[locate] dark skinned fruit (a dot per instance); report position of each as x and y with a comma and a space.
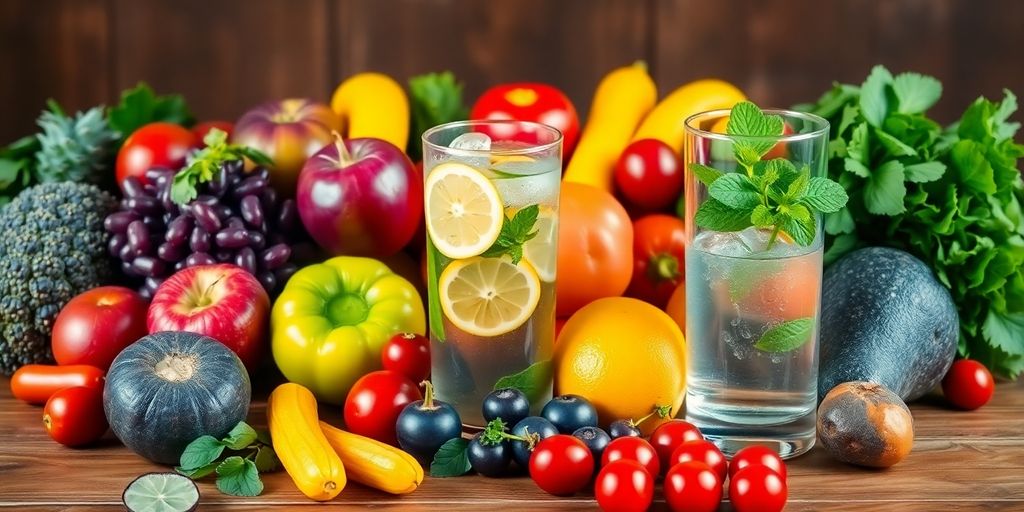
866, 424
424, 425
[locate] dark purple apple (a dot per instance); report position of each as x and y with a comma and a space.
360, 197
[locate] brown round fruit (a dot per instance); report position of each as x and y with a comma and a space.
864, 423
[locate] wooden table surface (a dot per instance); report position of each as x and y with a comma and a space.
961, 461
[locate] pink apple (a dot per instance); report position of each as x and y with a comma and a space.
222, 301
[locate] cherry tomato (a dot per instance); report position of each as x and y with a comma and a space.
632, 448
624, 486
649, 174
409, 354
702, 451
757, 455
968, 384
658, 255
757, 489
201, 129
540, 103
669, 435
692, 487
561, 465
374, 403
36, 383
95, 326
74, 416
154, 145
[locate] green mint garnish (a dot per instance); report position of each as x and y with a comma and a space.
534, 381
206, 162
786, 336
515, 232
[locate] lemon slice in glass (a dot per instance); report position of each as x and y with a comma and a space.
488, 296
464, 210
542, 250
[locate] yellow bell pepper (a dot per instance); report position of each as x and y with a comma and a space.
332, 319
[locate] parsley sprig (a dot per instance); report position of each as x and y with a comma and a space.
250, 453
205, 163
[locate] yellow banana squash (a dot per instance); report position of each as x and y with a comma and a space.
300, 444
373, 105
621, 101
667, 122
373, 463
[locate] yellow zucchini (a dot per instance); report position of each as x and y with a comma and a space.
373, 463
373, 105
667, 122
300, 444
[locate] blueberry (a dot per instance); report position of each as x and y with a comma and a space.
424, 425
509, 404
489, 459
530, 426
596, 440
623, 428
569, 413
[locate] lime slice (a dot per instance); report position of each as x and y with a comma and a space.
488, 296
464, 212
161, 492
542, 250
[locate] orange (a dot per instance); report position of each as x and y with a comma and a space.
625, 356
676, 307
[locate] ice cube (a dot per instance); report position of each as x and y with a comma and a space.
472, 141
528, 190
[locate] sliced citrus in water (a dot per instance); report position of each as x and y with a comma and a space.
464, 210
542, 250
488, 296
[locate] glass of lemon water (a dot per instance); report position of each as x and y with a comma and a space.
491, 208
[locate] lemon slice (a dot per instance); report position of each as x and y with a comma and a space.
488, 296
464, 210
542, 250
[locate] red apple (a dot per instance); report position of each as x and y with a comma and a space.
360, 197
221, 301
95, 326
288, 131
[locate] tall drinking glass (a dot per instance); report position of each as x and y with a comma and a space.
753, 300
491, 203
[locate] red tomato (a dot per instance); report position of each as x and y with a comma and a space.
757, 489
201, 129
669, 435
968, 384
658, 256
649, 174
74, 416
374, 403
702, 451
757, 455
692, 487
624, 486
154, 145
36, 383
95, 326
632, 448
409, 354
540, 103
561, 465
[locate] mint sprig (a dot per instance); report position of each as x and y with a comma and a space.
451, 459
534, 381
768, 194
205, 163
238, 472
515, 232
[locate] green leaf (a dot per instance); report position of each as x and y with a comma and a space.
716, 216
451, 459
747, 120
874, 96
435, 263
973, 169
859, 147
514, 233
200, 452
850, 115
534, 381
1005, 331
241, 436
798, 187
706, 175
839, 222
762, 216
885, 190
915, 92
204, 164
924, 172
895, 146
786, 336
200, 472
736, 191
434, 99
239, 477
824, 195
266, 459
141, 105
799, 225
842, 245
855, 167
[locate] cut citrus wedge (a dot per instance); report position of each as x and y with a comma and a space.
488, 296
464, 210
542, 250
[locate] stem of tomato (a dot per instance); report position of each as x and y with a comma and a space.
428, 395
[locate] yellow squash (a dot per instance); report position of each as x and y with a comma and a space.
373, 105
373, 463
300, 444
667, 122
621, 101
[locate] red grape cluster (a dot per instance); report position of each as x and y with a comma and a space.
236, 218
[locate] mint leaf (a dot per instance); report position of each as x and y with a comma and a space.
798, 187
199, 472
799, 225
824, 195
885, 190
266, 460
973, 169
200, 452
241, 436
706, 175
747, 120
239, 477
716, 216
895, 146
916, 93
786, 336
874, 96
762, 216
206, 162
434, 99
735, 190
858, 147
534, 381
514, 233
924, 172
839, 222
451, 459
855, 167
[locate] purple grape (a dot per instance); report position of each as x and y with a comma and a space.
277, 238
179, 266
199, 241
251, 210
223, 211
235, 223
144, 205
150, 190
205, 199
275, 256
232, 238
178, 230
148, 266
234, 167
286, 216
138, 238
257, 240
268, 280
250, 185
246, 259
219, 183
205, 217
199, 258
164, 195
116, 243
155, 173
263, 173
126, 253
284, 273
153, 223
224, 256
131, 186
118, 222
268, 199
153, 283
170, 252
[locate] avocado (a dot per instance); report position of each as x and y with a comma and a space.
885, 319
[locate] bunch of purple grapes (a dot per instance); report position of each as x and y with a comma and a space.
236, 218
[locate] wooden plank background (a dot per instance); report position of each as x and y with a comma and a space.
227, 55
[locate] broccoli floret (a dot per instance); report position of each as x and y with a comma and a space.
52, 247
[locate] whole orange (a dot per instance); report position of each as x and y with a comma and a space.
676, 307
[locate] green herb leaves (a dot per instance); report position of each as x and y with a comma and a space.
435, 98
141, 106
451, 459
746, 120
534, 381
237, 474
204, 164
786, 336
514, 233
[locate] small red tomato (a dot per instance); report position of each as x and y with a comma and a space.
154, 145
692, 487
968, 384
561, 465
204, 128
669, 435
374, 403
658, 255
757, 455
757, 489
36, 383
702, 451
632, 448
409, 354
95, 326
649, 174
74, 416
624, 486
